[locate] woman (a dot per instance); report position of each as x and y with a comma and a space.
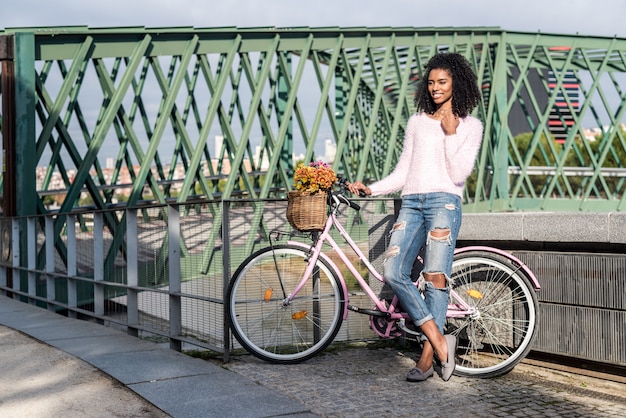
439, 152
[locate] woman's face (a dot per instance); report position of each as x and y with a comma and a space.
440, 86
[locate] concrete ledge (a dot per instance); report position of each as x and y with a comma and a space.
605, 228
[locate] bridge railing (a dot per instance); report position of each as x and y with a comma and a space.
167, 278
162, 275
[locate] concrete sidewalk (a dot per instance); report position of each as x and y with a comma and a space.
53, 366
44, 375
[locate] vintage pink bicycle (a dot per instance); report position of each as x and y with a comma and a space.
287, 302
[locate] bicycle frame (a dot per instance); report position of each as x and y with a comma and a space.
458, 309
492, 311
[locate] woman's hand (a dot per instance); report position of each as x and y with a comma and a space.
357, 188
449, 123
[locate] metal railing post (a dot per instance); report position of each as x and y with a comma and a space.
15, 251
72, 291
226, 273
98, 263
50, 280
132, 273
173, 229
31, 262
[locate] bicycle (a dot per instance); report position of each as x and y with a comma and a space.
286, 302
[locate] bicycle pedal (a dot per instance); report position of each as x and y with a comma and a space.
404, 327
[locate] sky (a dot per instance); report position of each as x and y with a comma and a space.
585, 17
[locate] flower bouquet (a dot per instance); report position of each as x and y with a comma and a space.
306, 208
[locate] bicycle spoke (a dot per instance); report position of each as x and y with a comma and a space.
498, 331
284, 334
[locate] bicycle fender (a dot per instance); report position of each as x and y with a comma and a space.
342, 282
505, 254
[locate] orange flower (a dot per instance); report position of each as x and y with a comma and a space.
314, 177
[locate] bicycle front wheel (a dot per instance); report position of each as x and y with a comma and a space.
276, 331
498, 333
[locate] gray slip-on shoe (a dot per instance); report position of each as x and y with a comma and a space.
417, 375
447, 367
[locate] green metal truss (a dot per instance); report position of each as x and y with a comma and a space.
142, 101
150, 99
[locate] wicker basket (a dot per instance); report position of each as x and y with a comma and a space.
307, 212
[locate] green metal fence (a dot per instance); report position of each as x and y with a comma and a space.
98, 116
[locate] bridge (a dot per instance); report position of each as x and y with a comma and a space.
126, 151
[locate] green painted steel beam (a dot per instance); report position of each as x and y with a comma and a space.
133, 91
135, 113
25, 102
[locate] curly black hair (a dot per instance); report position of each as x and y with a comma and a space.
465, 92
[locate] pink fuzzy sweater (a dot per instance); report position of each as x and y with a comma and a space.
430, 160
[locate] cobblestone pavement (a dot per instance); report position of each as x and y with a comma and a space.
370, 382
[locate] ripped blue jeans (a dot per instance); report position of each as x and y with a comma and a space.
419, 215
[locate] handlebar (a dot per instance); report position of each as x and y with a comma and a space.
341, 195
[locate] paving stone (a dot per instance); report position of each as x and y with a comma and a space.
363, 382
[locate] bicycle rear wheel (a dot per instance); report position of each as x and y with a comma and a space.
271, 330
499, 334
